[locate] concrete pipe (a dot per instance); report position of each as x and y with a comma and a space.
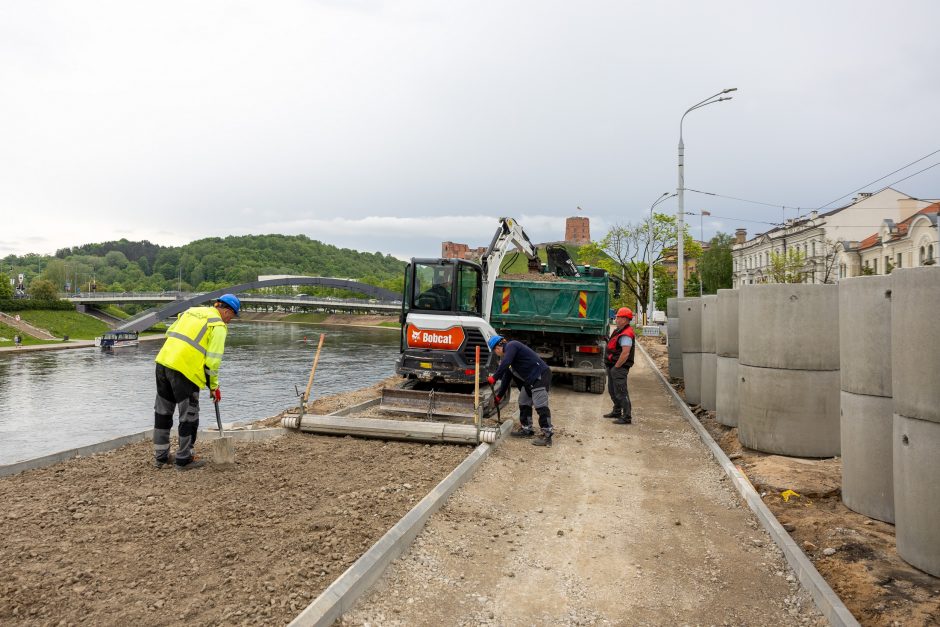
674, 348
867, 470
726, 391
915, 342
709, 322
726, 338
690, 325
709, 380
917, 492
789, 412
692, 369
792, 326
865, 334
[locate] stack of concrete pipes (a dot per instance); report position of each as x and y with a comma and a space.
789, 369
673, 336
866, 404
690, 332
915, 373
726, 345
709, 356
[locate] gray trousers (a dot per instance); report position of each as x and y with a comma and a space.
175, 392
537, 396
617, 388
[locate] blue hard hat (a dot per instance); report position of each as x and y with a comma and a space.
493, 341
231, 301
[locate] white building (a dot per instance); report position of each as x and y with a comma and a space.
826, 240
909, 243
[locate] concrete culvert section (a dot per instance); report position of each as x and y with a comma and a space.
726, 347
674, 335
789, 369
867, 410
915, 371
709, 356
690, 332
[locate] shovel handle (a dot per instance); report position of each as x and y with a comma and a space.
218, 418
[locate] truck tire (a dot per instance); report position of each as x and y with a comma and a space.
596, 385
579, 383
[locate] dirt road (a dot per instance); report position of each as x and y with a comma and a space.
621, 525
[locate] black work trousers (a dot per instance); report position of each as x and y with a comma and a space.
175, 391
617, 388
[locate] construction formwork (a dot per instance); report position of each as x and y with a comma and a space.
673, 337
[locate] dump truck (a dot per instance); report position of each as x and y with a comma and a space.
562, 318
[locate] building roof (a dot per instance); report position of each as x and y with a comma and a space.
901, 228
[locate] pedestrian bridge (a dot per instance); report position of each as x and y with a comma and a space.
380, 299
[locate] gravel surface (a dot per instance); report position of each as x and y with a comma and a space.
619, 525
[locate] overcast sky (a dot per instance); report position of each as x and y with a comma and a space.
391, 126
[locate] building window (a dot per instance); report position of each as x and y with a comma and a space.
814, 248
887, 263
922, 255
874, 266
930, 258
897, 260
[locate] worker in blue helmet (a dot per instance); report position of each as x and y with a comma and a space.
188, 362
521, 365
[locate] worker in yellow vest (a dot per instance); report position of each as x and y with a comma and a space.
188, 362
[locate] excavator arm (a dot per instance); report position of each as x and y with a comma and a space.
509, 235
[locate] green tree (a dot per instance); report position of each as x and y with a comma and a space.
6, 288
627, 250
715, 265
788, 267
116, 259
43, 289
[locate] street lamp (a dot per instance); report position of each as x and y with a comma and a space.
680, 252
649, 304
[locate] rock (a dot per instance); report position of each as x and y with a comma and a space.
829, 551
789, 527
809, 546
561, 532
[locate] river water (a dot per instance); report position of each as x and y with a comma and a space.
57, 400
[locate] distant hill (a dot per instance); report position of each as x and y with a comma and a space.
124, 265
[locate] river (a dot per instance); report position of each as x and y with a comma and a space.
57, 400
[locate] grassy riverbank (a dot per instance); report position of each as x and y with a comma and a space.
77, 326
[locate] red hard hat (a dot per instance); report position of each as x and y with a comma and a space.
624, 312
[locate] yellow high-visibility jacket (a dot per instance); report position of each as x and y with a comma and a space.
194, 344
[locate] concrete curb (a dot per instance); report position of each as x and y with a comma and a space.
358, 578
827, 601
250, 435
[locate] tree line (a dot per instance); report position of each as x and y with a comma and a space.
202, 265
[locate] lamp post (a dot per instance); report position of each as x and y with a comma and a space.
649, 304
680, 252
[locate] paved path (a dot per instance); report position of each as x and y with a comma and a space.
25, 327
620, 525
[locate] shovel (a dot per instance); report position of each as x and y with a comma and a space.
223, 448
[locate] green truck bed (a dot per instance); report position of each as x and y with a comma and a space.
565, 305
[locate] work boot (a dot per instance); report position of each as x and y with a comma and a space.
191, 465
545, 440
522, 432
627, 420
160, 462
613, 413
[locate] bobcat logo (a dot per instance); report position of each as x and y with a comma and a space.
415, 335
448, 339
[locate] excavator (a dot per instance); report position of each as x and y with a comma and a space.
445, 319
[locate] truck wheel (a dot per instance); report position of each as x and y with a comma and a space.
579, 383
596, 385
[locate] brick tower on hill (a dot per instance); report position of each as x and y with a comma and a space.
578, 230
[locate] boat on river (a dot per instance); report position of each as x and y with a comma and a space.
116, 339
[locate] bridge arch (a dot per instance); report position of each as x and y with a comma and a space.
150, 318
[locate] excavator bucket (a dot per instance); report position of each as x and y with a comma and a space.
432, 403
